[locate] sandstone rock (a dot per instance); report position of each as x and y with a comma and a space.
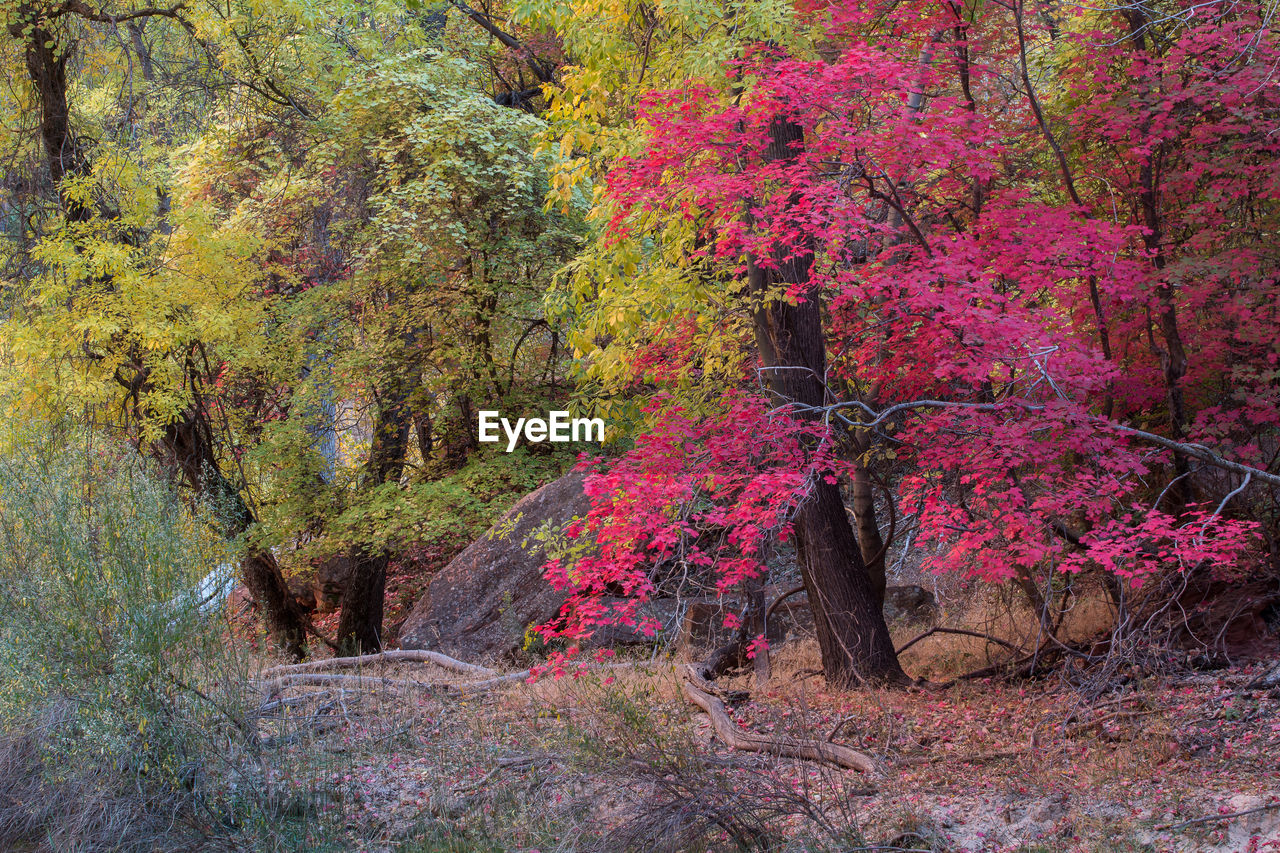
479, 605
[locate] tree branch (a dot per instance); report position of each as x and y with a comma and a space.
544, 72
1196, 451
84, 10
962, 632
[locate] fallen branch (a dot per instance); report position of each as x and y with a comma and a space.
274, 686
497, 681
826, 753
1216, 817
393, 656
517, 762
1266, 681
282, 677
963, 632
279, 704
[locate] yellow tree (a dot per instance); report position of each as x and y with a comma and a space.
124, 301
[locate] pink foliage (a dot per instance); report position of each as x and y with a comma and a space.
963, 260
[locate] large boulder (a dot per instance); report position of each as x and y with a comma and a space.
479, 605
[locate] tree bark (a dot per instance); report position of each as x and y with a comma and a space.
46, 62
852, 634
870, 543
186, 446
360, 625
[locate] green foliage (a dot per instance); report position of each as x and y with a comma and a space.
101, 627
453, 508
98, 566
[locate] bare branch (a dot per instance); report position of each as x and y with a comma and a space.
84, 10
1196, 451
962, 632
545, 72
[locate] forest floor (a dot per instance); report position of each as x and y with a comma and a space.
1156, 763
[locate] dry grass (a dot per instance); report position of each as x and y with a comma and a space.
578, 765
86, 806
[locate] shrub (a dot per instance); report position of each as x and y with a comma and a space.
112, 680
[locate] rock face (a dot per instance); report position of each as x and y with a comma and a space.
479, 605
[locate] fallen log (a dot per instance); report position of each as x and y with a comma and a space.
826, 753
273, 687
393, 656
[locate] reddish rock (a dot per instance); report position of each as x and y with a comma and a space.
479, 606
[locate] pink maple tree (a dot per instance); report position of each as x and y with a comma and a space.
1023, 294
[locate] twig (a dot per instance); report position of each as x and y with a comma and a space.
1211, 818
963, 632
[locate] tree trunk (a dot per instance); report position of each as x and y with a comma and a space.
852, 634
870, 543
360, 625
46, 62
186, 446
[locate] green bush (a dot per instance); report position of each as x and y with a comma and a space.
112, 681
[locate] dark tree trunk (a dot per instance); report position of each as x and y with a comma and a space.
852, 634
187, 446
141, 48
360, 625
46, 62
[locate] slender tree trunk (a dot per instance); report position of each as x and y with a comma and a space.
186, 446
1173, 355
360, 625
870, 543
141, 48
852, 634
